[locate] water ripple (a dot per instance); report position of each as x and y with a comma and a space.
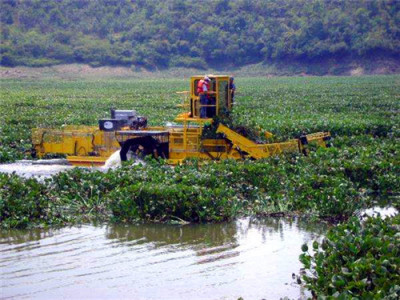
154, 262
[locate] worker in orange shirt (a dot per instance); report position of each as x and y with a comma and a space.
203, 88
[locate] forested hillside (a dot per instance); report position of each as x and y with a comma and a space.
200, 34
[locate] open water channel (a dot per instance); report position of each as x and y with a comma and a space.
249, 258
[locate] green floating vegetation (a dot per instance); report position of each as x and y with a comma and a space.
359, 260
346, 106
360, 112
356, 260
329, 184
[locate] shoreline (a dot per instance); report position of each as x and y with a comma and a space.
351, 68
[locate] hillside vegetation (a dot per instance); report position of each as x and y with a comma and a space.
196, 34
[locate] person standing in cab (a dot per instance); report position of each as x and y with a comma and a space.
203, 87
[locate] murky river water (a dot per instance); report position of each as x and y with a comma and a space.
249, 258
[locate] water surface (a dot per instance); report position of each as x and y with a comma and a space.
249, 258
44, 168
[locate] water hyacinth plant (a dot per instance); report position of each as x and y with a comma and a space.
318, 185
362, 167
356, 260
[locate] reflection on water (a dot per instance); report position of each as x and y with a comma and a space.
250, 258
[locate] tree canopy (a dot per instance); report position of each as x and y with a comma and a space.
200, 34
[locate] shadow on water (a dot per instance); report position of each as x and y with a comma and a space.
250, 258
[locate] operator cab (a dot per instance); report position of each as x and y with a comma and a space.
218, 99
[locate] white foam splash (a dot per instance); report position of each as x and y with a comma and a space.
38, 169
114, 161
383, 212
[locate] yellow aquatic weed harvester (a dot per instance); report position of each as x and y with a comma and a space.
129, 133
